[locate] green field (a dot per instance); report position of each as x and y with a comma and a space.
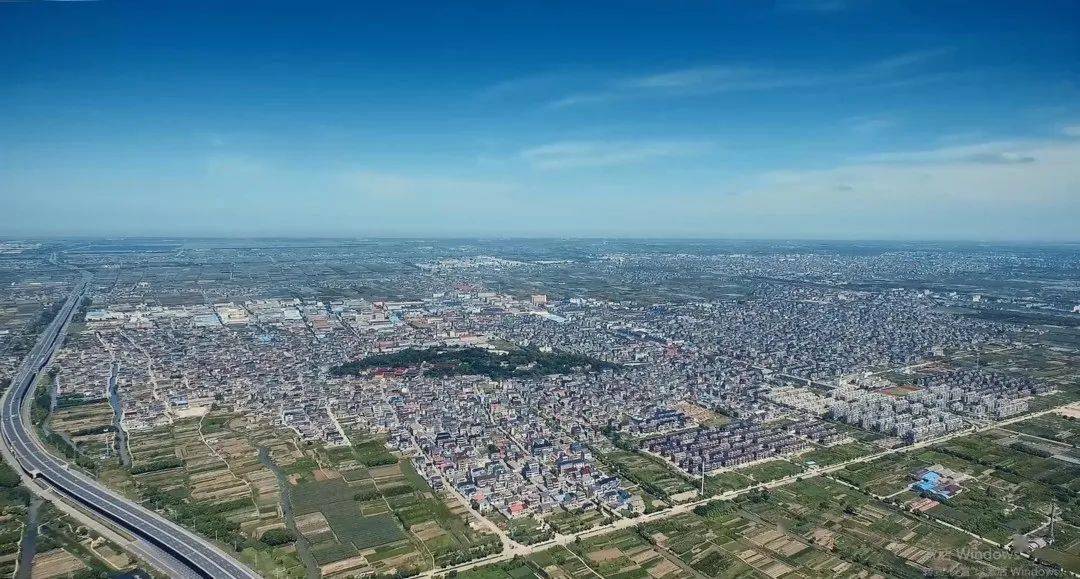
771, 470
1052, 427
363, 532
315, 496
650, 474
830, 455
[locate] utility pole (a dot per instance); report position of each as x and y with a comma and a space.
1053, 508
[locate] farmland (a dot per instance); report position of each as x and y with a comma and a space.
771, 470
205, 473
359, 512
829, 455
1006, 492
61, 546
1053, 426
649, 474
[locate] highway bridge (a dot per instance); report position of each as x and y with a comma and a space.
197, 555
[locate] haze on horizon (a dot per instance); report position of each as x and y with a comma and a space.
821, 119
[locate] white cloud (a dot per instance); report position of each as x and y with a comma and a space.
939, 178
870, 125
545, 85
987, 153
717, 79
576, 154
929, 198
721, 79
404, 187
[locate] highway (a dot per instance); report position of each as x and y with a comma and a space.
197, 554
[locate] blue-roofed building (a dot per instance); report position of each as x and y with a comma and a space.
934, 483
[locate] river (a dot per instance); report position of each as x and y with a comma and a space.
28, 544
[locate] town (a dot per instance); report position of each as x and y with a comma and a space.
541, 413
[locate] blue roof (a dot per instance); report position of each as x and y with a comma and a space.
929, 483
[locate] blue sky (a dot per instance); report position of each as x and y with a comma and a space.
826, 119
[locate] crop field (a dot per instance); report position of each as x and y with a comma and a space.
371, 451
64, 549
212, 480
830, 528
1052, 427
1055, 366
88, 426
14, 500
576, 521
984, 452
771, 470
236, 444
1066, 548
1015, 492
514, 569
383, 518
1006, 492
697, 544
441, 523
649, 474
272, 562
309, 497
330, 551
829, 455
346, 518
335, 523
561, 562
152, 445
627, 554
529, 530
989, 508
892, 474
726, 481
363, 532
359, 505
1067, 392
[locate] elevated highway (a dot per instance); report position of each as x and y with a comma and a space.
184, 548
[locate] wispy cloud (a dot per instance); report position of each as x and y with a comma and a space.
987, 153
951, 192
539, 85
383, 185
717, 79
576, 154
870, 125
1071, 131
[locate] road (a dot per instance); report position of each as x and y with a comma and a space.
197, 554
682, 508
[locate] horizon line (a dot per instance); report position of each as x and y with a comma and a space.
526, 237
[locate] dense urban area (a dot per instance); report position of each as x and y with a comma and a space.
498, 409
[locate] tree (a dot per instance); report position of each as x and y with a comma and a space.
275, 537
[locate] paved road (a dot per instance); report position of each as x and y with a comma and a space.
199, 555
525, 550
